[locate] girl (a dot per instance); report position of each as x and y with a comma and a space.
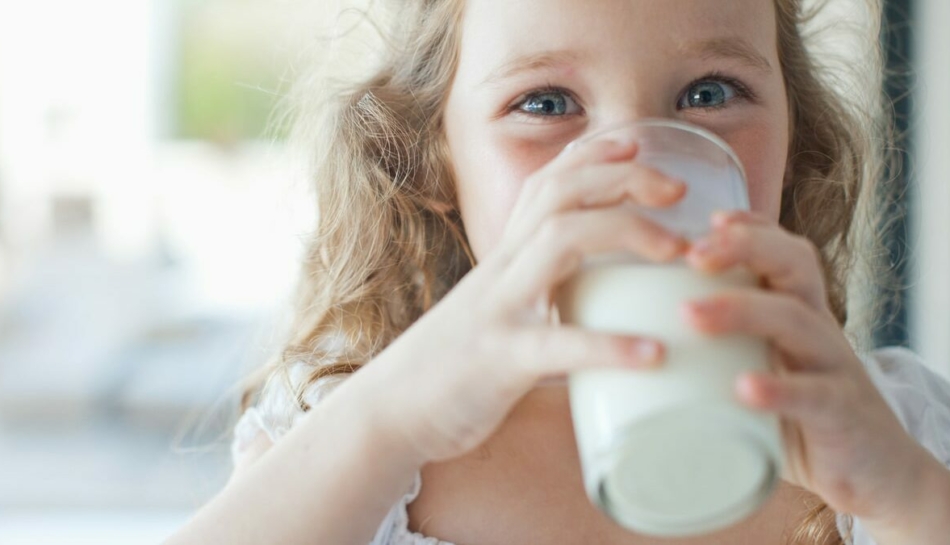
448, 214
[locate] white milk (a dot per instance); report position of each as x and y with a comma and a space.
668, 451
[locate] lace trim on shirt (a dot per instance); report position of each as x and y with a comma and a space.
395, 529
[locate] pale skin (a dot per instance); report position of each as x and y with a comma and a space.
497, 452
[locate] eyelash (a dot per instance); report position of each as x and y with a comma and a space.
742, 90
515, 108
742, 93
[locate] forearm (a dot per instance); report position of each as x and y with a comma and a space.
925, 521
331, 479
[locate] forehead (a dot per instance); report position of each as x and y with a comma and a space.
501, 30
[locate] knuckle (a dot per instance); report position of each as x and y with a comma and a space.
630, 229
529, 350
555, 229
631, 222
795, 396
734, 310
646, 237
842, 489
570, 258
563, 232
822, 398
490, 345
799, 314
525, 341
846, 394
565, 237
739, 236
508, 361
558, 189
807, 250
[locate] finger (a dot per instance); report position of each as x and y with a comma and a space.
597, 151
813, 398
544, 351
604, 184
721, 218
557, 249
600, 149
588, 153
795, 328
786, 263
597, 185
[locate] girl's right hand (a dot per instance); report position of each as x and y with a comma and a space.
443, 386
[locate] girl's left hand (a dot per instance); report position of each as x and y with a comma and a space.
842, 440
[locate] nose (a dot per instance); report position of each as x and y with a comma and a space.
629, 105
615, 124
624, 105
634, 109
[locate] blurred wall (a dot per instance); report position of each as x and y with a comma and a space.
930, 314
149, 235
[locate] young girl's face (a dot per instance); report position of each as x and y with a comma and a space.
534, 75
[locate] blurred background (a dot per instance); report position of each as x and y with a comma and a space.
150, 228
149, 234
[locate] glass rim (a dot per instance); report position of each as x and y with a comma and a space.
671, 124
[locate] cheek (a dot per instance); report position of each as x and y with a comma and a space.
490, 170
763, 153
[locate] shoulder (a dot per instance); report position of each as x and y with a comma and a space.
918, 396
394, 529
283, 401
894, 366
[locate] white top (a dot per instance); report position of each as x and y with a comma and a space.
919, 398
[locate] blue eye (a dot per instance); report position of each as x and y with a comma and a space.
710, 94
550, 103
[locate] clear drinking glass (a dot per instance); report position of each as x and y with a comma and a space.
670, 451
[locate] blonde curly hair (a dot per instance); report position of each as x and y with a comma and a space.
389, 242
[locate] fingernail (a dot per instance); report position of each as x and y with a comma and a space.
624, 140
700, 307
675, 187
673, 246
647, 352
702, 248
721, 218
745, 388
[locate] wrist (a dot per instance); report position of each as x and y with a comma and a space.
379, 426
924, 517
390, 441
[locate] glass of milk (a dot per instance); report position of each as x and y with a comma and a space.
670, 451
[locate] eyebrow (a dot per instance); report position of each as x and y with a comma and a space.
715, 48
728, 48
532, 62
